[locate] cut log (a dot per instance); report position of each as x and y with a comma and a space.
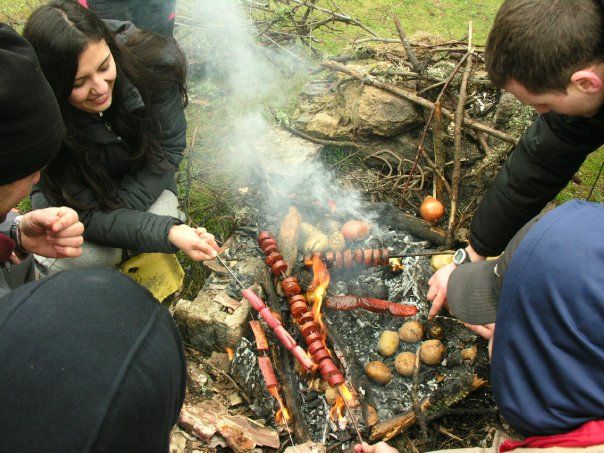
392, 216
288, 237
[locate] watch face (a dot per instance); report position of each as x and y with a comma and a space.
460, 257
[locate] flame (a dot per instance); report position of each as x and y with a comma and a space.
282, 416
317, 289
396, 264
230, 353
343, 400
336, 413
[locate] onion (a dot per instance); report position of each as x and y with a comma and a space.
354, 230
431, 209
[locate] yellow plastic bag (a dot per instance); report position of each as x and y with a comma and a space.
160, 273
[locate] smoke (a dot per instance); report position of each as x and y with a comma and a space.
252, 77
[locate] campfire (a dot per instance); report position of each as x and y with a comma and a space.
334, 346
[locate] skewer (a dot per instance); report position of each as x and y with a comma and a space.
352, 418
406, 255
291, 439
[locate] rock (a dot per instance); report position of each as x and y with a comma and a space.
327, 125
206, 325
384, 114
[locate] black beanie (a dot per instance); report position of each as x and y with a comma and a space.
31, 129
89, 362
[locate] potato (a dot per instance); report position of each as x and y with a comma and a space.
307, 229
411, 332
316, 242
469, 354
439, 261
372, 416
330, 395
435, 330
388, 343
378, 372
405, 363
354, 230
336, 241
432, 352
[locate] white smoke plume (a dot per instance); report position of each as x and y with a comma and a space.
253, 76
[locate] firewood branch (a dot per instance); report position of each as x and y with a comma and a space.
467, 121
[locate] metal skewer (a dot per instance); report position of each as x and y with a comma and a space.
406, 255
352, 418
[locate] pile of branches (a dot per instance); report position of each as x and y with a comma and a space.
442, 99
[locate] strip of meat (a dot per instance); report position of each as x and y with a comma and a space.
259, 336
268, 373
345, 303
402, 309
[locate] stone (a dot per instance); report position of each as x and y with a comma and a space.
327, 125
207, 326
384, 114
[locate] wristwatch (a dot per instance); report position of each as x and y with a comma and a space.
15, 235
461, 257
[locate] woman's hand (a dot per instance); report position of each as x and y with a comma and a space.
195, 242
380, 447
52, 232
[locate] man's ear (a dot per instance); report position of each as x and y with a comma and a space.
587, 81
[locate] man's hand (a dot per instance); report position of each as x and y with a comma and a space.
380, 447
195, 242
486, 331
52, 232
437, 293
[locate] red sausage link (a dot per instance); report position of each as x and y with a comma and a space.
268, 373
272, 258
259, 336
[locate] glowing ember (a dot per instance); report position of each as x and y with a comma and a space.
396, 264
282, 416
317, 288
230, 353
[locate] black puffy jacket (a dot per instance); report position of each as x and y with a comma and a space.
129, 227
548, 154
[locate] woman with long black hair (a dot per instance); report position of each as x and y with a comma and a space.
121, 92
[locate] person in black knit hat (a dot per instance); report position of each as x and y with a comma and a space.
30, 135
90, 362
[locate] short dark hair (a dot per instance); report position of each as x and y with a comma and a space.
541, 43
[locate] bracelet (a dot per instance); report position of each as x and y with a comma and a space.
15, 235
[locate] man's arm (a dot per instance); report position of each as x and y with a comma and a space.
546, 157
